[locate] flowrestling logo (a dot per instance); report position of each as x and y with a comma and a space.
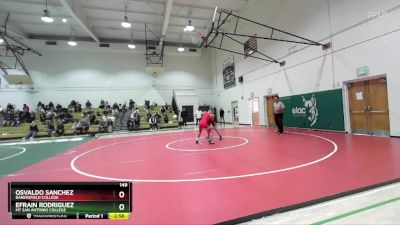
309, 110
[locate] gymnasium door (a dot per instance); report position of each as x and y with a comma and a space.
235, 112
269, 109
189, 111
255, 115
369, 110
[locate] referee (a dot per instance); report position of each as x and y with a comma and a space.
279, 108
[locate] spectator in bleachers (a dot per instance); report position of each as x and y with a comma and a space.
137, 121
73, 104
51, 105
85, 116
50, 115
32, 117
33, 130
148, 115
162, 110
102, 105
76, 126
78, 107
50, 128
158, 122
8, 119
39, 106
166, 120
90, 109
153, 105
60, 128
42, 115
25, 110
85, 121
131, 121
110, 119
146, 104
61, 115
1, 110
153, 122
131, 104
124, 109
10, 107
18, 118
115, 106
71, 108
103, 123
130, 124
157, 115
93, 119
88, 104
115, 113
58, 108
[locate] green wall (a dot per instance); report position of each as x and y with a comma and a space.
317, 110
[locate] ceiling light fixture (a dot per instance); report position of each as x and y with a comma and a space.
131, 44
71, 42
1, 41
46, 17
181, 49
189, 27
126, 23
64, 20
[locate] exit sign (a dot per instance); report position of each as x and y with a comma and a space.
362, 71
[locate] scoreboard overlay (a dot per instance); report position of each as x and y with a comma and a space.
70, 200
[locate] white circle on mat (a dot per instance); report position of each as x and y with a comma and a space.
18, 153
73, 166
168, 146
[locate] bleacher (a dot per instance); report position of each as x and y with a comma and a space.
120, 124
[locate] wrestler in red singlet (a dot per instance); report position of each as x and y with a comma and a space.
205, 123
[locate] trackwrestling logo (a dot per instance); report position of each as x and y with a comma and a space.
309, 110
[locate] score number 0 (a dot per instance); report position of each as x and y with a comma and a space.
121, 194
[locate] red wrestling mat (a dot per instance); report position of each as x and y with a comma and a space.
251, 170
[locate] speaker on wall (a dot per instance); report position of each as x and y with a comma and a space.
241, 79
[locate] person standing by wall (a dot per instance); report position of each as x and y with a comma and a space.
279, 108
184, 116
221, 115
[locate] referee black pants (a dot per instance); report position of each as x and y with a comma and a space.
279, 121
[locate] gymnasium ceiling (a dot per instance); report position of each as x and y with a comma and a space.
100, 20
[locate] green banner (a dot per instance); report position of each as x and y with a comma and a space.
318, 110
228, 73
